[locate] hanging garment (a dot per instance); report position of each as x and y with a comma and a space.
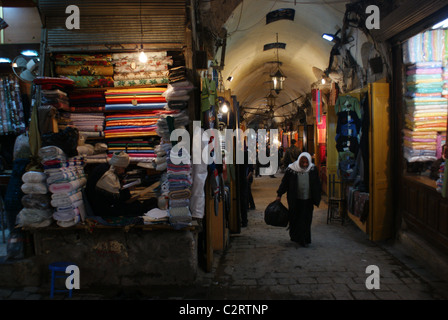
348, 103
349, 124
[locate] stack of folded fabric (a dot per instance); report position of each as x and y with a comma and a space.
139, 150
135, 99
37, 211
445, 82
53, 99
426, 110
161, 152
129, 71
87, 101
88, 124
178, 181
86, 70
65, 180
177, 74
93, 153
156, 216
177, 95
171, 121
179, 185
133, 112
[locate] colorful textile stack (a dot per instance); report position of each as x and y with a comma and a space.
129, 71
139, 150
89, 125
54, 98
37, 211
86, 70
426, 110
84, 101
426, 46
178, 182
133, 112
65, 180
135, 99
179, 187
11, 107
445, 82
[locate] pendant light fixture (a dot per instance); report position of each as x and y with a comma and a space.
142, 57
278, 78
270, 100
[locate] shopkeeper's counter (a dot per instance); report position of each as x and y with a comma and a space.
136, 255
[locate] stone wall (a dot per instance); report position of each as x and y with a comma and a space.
117, 257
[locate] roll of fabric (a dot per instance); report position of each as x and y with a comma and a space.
85, 70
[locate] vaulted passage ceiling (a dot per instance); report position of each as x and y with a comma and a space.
250, 66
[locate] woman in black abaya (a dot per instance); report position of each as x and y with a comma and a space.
302, 185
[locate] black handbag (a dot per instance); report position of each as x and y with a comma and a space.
276, 214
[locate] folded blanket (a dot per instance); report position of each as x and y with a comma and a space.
28, 216
67, 200
34, 187
34, 176
67, 186
51, 152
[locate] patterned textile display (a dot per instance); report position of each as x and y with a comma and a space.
86, 71
129, 71
11, 107
426, 110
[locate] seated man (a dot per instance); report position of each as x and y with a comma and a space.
105, 194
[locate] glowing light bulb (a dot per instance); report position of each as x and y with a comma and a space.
225, 109
142, 57
323, 81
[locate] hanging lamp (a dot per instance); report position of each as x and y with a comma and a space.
142, 56
278, 77
270, 100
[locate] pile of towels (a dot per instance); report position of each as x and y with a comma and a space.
86, 70
65, 181
37, 211
426, 110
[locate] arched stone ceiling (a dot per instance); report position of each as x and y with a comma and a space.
250, 66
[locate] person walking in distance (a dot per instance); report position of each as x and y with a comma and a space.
291, 154
302, 185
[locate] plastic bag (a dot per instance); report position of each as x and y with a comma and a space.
22, 147
15, 247
67, 140
276, 214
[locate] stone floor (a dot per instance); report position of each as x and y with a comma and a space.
261, 263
